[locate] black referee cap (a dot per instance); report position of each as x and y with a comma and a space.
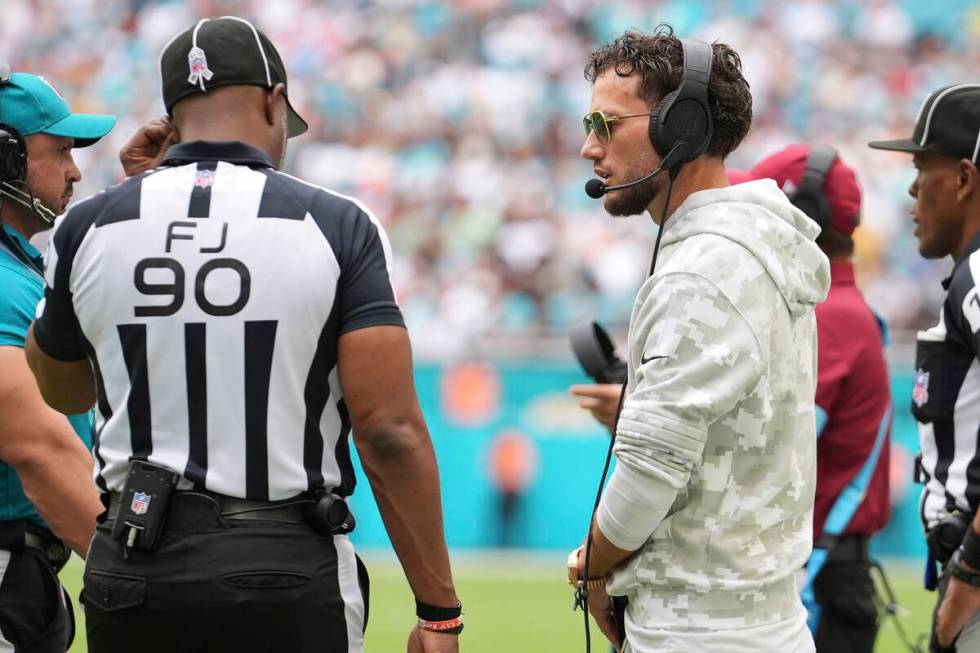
222, 51
948, 123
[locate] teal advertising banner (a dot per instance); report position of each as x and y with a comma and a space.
520, 460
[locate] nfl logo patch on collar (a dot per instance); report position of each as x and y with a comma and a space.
140, 503
204, 179
198, 63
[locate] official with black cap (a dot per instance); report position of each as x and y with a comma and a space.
233, 324
945, 145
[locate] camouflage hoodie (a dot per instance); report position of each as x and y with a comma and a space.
719, 420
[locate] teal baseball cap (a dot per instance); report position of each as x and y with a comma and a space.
32, 105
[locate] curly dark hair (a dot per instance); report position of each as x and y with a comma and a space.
659, 60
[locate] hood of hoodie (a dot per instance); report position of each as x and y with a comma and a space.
758, 216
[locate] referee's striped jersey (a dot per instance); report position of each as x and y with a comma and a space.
209, 295
946, 395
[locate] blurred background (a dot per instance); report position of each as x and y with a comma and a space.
458, 124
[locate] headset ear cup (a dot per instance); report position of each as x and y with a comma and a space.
816, 207
13, 155
657, 116
811, 195
823, 212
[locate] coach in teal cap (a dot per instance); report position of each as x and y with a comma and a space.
32, 105
37, 132
48, 499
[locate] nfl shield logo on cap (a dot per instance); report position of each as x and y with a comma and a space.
140, 504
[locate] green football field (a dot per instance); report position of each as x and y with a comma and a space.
520, 602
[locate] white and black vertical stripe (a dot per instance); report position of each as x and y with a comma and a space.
260, 340
132, 337
195, 342
200, 204
316, 392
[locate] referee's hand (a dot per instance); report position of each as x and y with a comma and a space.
146, 149
426, 641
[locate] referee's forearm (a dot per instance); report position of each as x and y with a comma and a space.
401, 466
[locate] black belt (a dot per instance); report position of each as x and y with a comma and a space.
849, 548
21, 535
289, 511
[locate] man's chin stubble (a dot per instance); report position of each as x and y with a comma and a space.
632, 201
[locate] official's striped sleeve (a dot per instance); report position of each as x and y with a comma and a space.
364, 294
56, 328
963, 303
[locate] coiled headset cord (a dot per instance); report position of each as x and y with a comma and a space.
581, 591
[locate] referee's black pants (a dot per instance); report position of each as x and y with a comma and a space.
845, 592
216, 584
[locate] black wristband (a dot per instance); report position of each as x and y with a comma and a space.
958, 572
970, 548
435, 613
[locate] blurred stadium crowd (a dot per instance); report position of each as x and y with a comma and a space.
459, 124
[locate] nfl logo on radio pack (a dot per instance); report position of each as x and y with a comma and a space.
920, 392
140, 504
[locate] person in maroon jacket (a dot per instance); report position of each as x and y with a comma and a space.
853, 407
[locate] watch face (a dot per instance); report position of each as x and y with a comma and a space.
573, 567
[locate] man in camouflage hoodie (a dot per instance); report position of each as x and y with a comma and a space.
708, 513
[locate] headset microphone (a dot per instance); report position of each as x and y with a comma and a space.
27, 200
595, 189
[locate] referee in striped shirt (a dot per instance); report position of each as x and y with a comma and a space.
232, 324
945, 149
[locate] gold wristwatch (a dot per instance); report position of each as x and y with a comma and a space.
573, 579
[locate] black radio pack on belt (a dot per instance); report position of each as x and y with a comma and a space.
328, 514
143, 505
945, 537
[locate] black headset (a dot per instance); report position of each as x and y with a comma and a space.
13, 155
13, 149
810, 197
683, 116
